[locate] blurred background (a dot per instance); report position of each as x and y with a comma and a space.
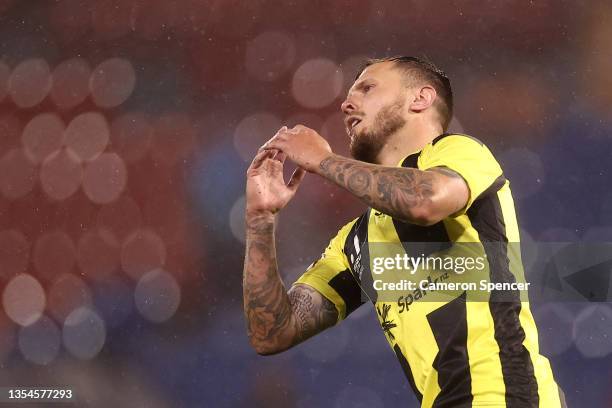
126, 127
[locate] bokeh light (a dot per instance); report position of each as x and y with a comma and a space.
30, 82
131, 135
67, 293
105, 178
253, 131
23, 299
98, 254
17, 174
70, 83
269, 55
54, 254
42, 136
84, 333
142, 251
236, 219
157, 296
14, 253
87, 135
317, 83
40, 342
61, 174
112, 82
593, 331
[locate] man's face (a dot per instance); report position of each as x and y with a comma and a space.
374, 110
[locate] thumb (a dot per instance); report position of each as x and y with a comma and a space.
296, 179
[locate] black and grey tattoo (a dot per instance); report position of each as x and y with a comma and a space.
277, 320
395, 191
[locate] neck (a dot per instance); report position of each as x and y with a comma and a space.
411, 138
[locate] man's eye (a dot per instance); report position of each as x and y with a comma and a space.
367, 88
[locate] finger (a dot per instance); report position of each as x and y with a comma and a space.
273, 144
274, 168
259, 158
276, 136
280, 156
265, 148
296, 129
296, 178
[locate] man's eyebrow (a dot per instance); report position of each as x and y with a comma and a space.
359, 85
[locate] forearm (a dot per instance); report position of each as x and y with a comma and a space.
403, 193
267, 308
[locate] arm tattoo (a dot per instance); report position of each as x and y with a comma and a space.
396, 191
313, 311
275, 319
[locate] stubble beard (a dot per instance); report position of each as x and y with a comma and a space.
366, 145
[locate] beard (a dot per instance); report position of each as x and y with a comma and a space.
366, 145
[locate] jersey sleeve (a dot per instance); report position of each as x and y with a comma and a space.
469, 158
331, 276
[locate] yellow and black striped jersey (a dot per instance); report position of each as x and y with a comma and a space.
454, 352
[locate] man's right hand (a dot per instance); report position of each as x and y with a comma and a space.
266, 191
276, 319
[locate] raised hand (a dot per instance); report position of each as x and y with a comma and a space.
266, 191
302, 145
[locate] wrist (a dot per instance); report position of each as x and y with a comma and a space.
321, 164
256, 219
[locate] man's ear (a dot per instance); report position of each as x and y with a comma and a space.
423, 98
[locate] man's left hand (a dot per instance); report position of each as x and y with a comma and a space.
302, 145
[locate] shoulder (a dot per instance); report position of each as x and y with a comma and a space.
455, 144
456, 138
456, 150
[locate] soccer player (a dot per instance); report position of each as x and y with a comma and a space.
421, 185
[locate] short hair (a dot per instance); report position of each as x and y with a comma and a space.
422, 70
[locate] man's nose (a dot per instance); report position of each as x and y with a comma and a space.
347, 106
